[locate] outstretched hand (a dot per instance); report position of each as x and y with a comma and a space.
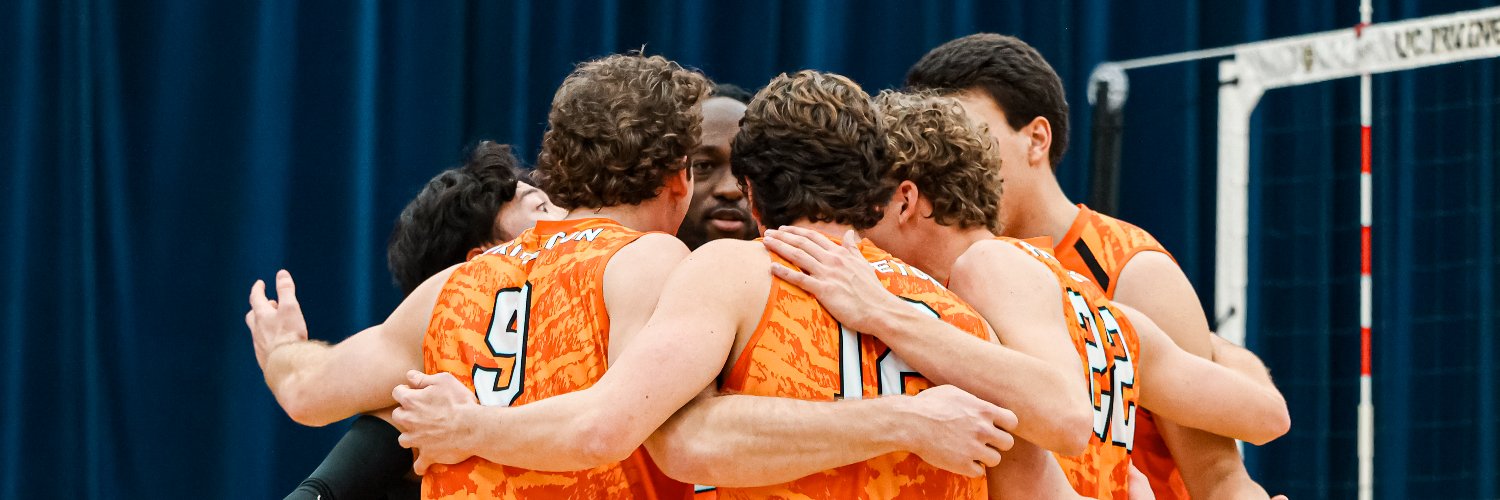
431, 418
274, 323
837, 275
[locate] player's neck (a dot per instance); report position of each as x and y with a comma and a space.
643, 217
1046, 211
939, 253
831, 229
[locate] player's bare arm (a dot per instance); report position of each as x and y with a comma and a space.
318, 384
1032, 372
1021, 299
635, 281
742, 441
1030, 473
671, 359
1210, 464
1250, 408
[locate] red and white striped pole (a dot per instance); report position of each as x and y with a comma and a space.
1366, 446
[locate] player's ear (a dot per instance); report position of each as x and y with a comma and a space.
750, 202
680, 183
906, 200
1039, 144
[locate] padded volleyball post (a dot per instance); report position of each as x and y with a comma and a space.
1239, 92
1366, 409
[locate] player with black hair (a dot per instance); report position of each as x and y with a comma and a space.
718, 208
463, 211
460, 212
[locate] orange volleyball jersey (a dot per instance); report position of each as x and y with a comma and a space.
800, 351
1108, 349
523, 322
1099, 246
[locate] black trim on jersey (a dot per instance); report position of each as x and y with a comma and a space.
902, 376
859, 353
1100, 277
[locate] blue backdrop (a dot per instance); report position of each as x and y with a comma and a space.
158, 156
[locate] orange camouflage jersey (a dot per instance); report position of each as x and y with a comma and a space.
1099, 246
1108, 349
800, 351
526, 321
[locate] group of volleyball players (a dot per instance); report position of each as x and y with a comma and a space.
924, 315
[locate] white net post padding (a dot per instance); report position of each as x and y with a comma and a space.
1254, 68
1238, 94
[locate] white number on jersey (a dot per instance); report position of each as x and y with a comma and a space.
891, 371
1109, 410
506, 339
1123, 413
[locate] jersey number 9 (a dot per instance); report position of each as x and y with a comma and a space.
506, 339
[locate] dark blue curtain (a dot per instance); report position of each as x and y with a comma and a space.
158, 156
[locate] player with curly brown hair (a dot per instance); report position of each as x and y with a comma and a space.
531, 322
943, 218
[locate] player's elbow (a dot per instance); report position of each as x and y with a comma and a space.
1074, 428
685, 460
1066, 431
305, 411
1070, 421
603, 440
302, 405
1276, 423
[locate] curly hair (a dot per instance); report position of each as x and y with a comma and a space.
1011, 72
811, 146
618, 126
952, 160
454, 213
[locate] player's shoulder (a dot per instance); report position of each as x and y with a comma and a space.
656, 243
1001, 254
651, 253
732, 254
1148, 274
726, 271
1005, 266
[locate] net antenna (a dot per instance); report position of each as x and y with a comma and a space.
1246, 72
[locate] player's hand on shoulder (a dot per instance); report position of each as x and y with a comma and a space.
431, 418
277, 322
958, 432
838, 275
